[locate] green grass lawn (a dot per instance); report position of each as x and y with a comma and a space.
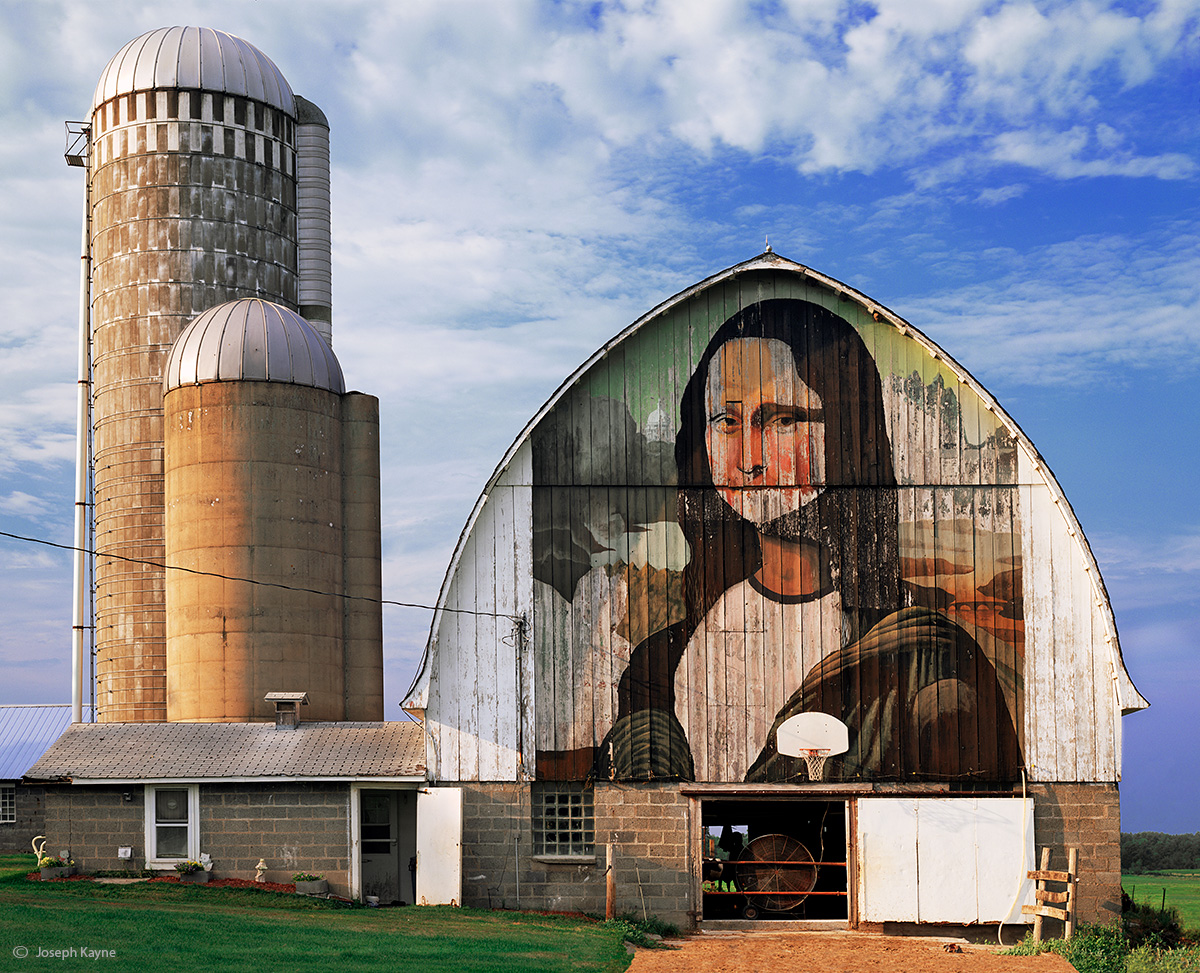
1182, 889
175, 927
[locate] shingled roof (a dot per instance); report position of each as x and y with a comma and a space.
222, 751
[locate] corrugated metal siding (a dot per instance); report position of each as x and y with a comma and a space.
985, 542
26, 732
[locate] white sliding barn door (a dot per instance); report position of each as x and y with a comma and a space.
944, 859
439, 846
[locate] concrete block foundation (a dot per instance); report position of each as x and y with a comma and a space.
656, 831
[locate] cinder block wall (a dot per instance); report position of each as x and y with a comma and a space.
31, 819
1086, 817
93, 822
497, 833
647, 823
649, 826
300, 827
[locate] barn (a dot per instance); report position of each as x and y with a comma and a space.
774, 604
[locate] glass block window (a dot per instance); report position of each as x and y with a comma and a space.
8, 803
563, 820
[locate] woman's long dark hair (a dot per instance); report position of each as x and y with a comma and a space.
853, 521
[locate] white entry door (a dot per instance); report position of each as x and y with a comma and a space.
439, 846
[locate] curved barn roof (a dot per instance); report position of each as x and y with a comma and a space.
252, 340
191, 58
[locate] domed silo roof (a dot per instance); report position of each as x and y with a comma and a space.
252, 341
195, 58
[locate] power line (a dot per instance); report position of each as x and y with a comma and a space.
254, 581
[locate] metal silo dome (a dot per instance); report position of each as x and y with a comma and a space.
195, 58
251, 340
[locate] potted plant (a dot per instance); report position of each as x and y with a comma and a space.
309, 884
55, 866
192, 871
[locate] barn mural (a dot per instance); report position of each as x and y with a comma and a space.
767, 502
771, 495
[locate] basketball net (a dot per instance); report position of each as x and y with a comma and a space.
815, 759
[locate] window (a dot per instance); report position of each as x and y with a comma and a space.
8, 803
172, 823
563, 820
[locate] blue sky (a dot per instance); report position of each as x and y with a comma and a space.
513, 183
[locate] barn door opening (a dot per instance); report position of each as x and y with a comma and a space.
773, 860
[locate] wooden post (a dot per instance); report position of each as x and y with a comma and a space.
610, 884
1072, 868
1037, 919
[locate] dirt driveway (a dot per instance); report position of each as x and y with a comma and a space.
825, 952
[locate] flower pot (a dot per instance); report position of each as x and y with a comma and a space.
59, 872
319, 887
196, 878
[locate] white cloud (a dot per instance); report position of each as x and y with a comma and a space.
1176, 557
1063, 154
1069, 312
24, 505
1000, 194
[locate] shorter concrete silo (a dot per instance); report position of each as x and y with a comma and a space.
272, 522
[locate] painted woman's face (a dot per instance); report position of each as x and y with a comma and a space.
765, 432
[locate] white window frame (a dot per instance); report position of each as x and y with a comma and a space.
193, 825
8, 803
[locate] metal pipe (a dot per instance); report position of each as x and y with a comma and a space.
82, 417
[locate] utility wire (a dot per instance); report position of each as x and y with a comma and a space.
264, 584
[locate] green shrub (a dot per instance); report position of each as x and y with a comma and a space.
1093, 949
1147, 925
1147, 959
1098, 949
654, 925
639, 932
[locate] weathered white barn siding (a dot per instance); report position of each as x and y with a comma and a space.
1078, 682
983, 526
478, 682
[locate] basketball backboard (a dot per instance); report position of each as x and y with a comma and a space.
812, 731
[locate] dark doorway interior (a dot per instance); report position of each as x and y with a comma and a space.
774, 860
388, 829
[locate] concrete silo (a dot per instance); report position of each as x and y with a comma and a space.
193, 201
272, 475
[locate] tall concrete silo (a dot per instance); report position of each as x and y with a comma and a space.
193, 189
272, 476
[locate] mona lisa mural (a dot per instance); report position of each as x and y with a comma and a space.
775, 503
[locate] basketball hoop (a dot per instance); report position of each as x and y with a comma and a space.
813, 736
815, 759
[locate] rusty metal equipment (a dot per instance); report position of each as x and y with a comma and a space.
776, 873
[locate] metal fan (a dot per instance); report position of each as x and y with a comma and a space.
776, 872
